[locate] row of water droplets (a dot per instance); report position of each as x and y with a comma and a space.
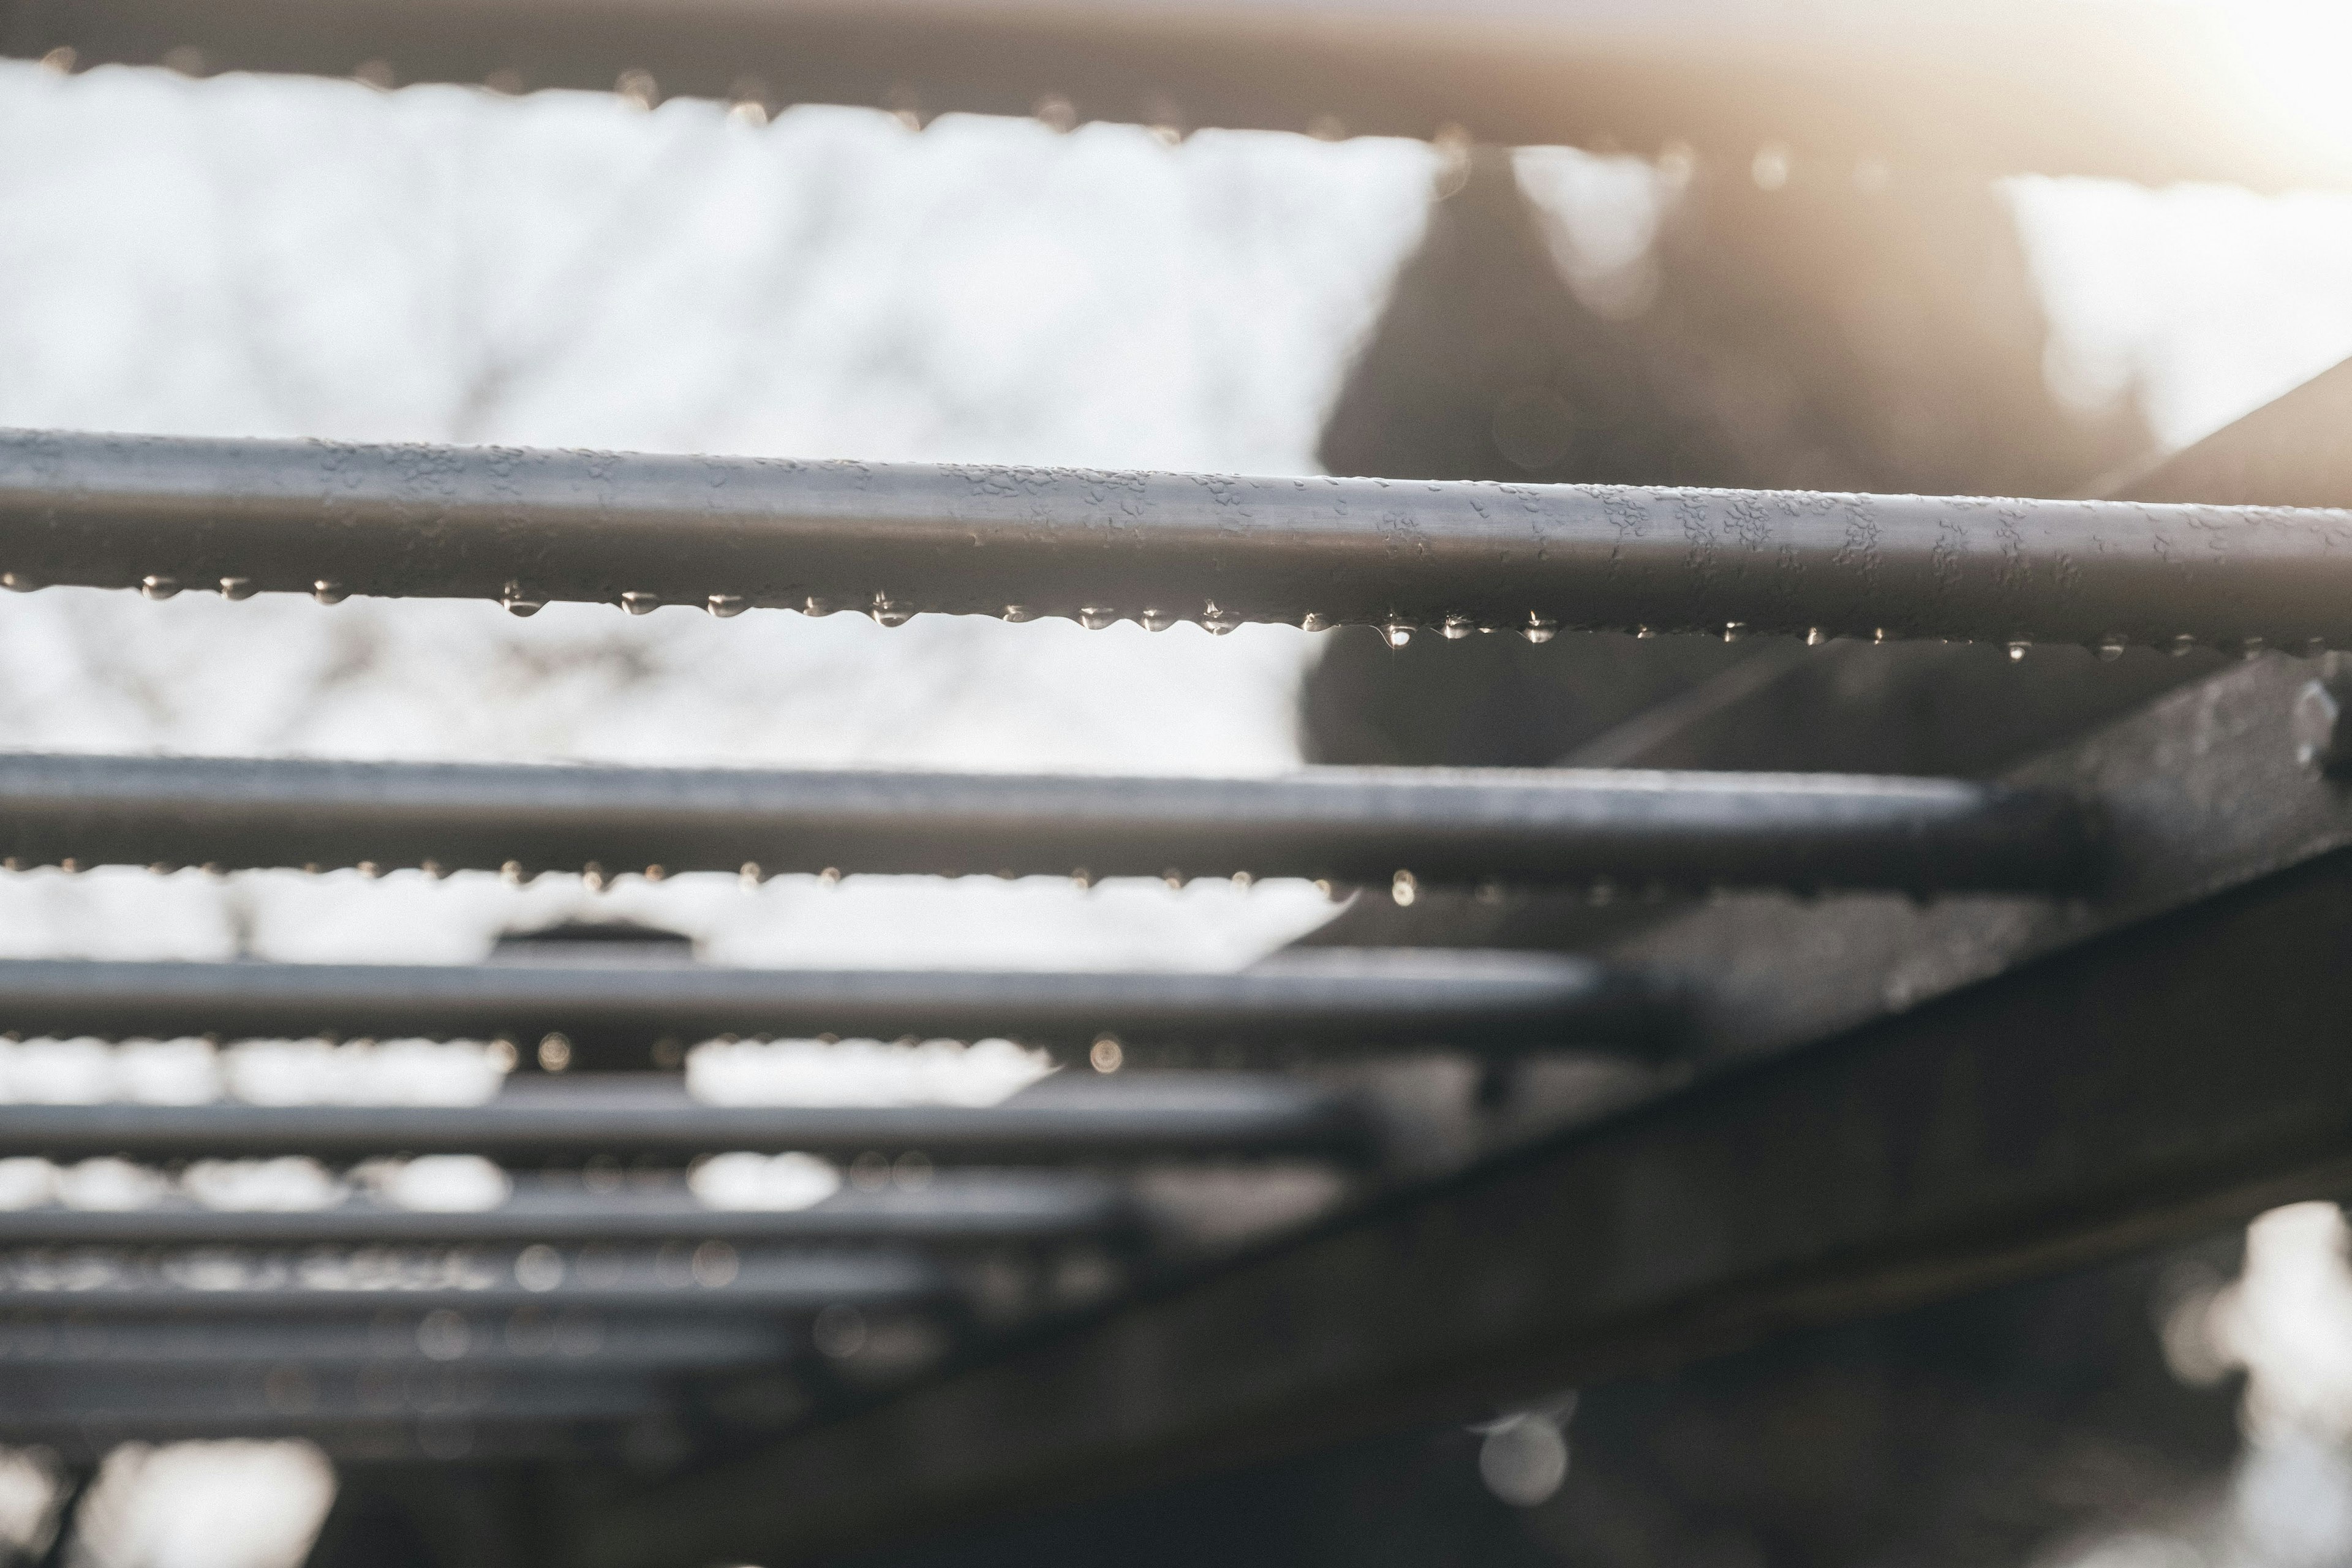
889, 612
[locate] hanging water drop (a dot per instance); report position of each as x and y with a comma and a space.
1217, 622
1540, 628
592, 876
1018, 614
1096, 618
327, 592
1878, 635
158, 587
1156, 620
235, 588
2111, 647
1453, 628
1404, 888
891, 612
817, 607
1399, 633
638, 604
830, 875
17, 582
511, 873
1081, 878
1734, 630
1243, 881
1815, 636
1313, 622
2252, 647
2182, 644
726, 606
2017, 651
1643, 634
748, 877
517, 602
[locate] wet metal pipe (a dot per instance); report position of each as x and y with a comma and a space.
624, 1015
1573, 826
645, 1120
167, 514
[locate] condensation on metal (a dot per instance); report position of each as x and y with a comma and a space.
1575, 827
169, 514
650, 1122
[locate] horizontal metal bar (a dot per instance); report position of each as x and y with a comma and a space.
530, 1336
2051, 89
647, 1119
363, 1281
1346, 825
527, 527
953, 1206
2158, 1083
293, 1395
615, 1015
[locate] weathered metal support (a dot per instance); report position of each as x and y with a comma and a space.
647, 1121
166, 514
1345, 824
636, 1016
949, 1208
2157, 1083
527, 1337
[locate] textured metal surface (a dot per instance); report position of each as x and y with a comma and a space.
525, 1337
2156, 1084
631, 1119
1345, 824
313, 1282
289, 1398
950, 1206
2057, 87
172, 514
617, 1015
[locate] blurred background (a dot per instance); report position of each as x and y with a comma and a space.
249, 256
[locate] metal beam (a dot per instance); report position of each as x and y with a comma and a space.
673, 1281
2054, 89
290, 1396
1174, 1116
620, 1015
2157, 1083
528, 1338
166, 514
953, 1206
1346, 825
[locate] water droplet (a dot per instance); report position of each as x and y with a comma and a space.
748, 875
656, 873
554, 1053
2017, 651
329, 592
370, 870
1156, 620
1314, 621
2252, 647
2111, 647
830, 875
1081, 878
511, 873
726, 606
1105, 1055
1217, 622
592, 876
1323, 885
17, 582
1243, 880
1399, 633
158, 587
1734, 630
68, 864
891, 612
235, 588
1017, 614
1540, 628
2184, 643
1878, 635
818, 607
1174, 878
1453, 628
1096, 617
432, 869
638, 604
1815, 636
519, 603
1643, 634
1404, 888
